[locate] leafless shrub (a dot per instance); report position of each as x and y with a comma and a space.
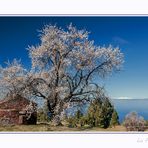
133, 122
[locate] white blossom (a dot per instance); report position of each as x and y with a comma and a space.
13, 78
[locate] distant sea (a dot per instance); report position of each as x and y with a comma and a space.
124, 106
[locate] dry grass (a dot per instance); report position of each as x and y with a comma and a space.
46, 127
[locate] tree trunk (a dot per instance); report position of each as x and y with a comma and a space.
50, 109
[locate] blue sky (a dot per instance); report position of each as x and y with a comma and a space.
129, 33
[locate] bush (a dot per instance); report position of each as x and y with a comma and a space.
42, 116
72, 122
83, 121
133, 122
56, 121
146, 123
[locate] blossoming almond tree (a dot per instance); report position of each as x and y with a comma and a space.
15, 82
65, 65
13, 78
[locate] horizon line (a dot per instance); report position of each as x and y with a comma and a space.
128, 98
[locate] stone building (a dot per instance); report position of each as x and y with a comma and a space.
17, 110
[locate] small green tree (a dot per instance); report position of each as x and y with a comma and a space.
107, 110
115, 119
78, 115
42, 114
83, 121
100, 113
73, 121
94, 113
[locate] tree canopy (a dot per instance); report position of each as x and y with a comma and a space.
65, 65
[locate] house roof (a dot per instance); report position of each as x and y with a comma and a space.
16, 102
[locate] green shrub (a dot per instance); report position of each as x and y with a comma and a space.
72, 122
42, 116
83, 121
75, 120
146, 124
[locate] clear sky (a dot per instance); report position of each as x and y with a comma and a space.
129, 33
